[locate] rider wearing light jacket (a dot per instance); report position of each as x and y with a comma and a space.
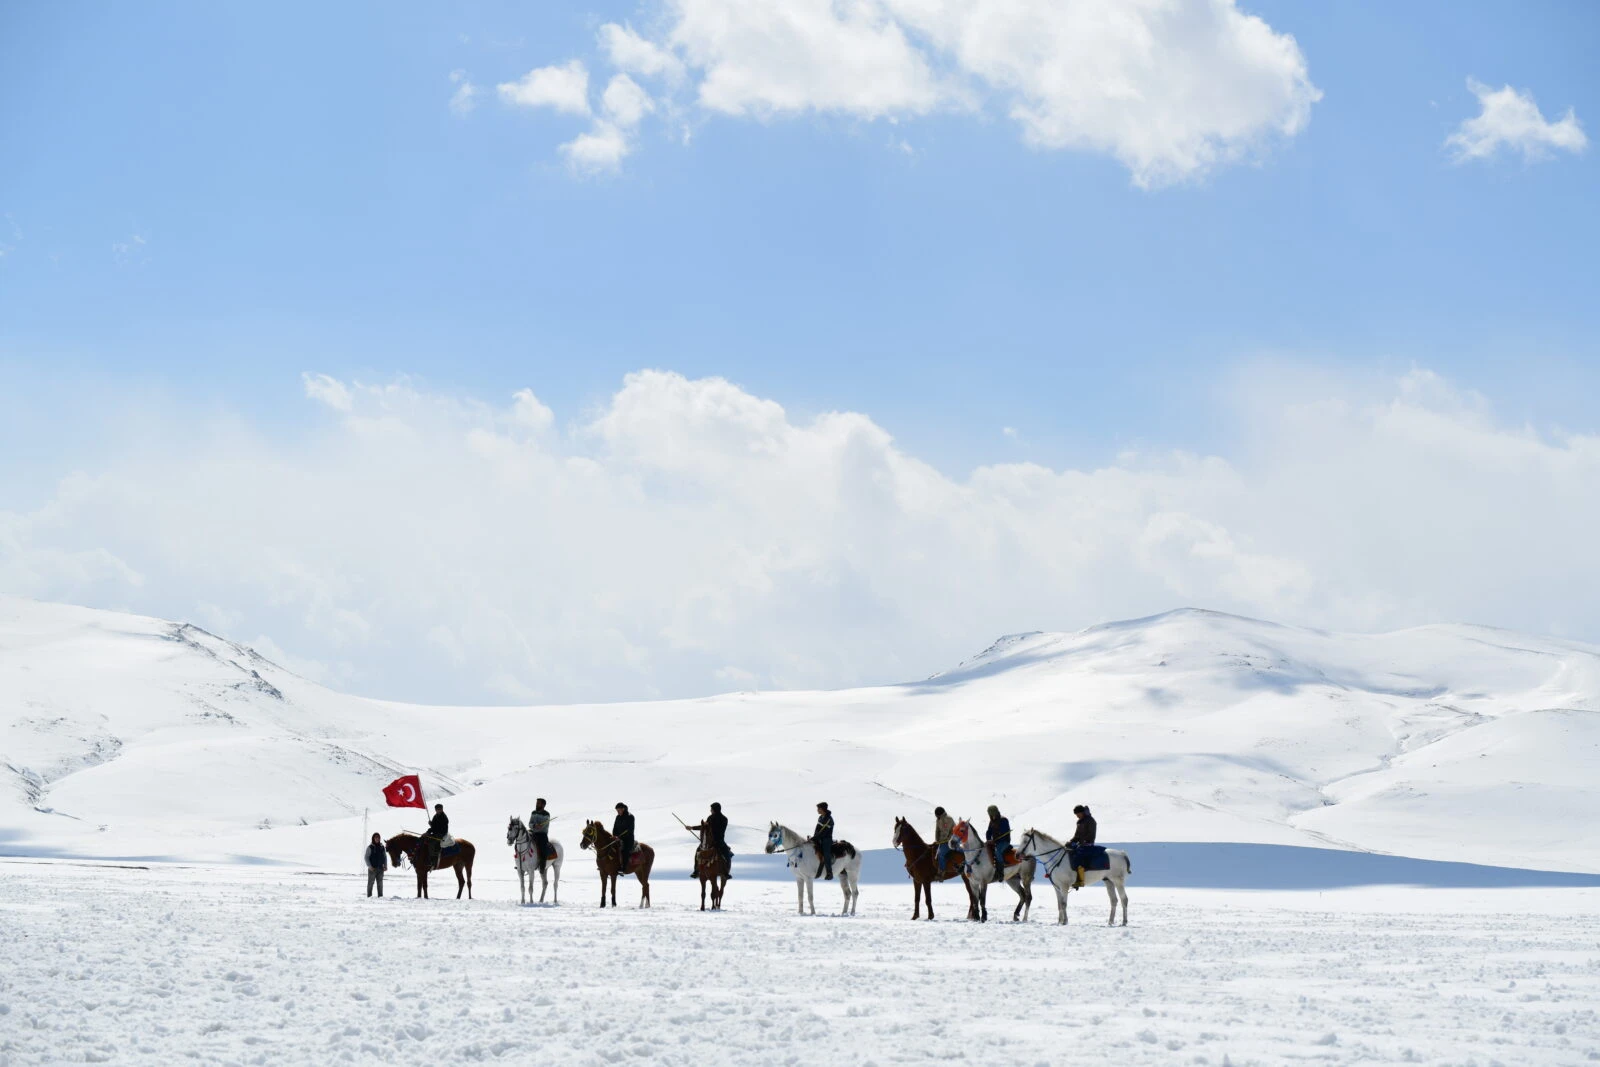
1083, 835
943, 826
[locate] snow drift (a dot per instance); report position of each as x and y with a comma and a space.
124, 736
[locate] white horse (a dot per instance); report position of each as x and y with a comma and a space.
526, 852
980, 872
1058, 868
804, 861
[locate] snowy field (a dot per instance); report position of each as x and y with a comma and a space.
264, 965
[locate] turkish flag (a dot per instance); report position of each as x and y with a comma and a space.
404, 792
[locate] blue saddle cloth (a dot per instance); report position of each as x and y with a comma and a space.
1089, 857
448, 853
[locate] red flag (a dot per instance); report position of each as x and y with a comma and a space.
404, 792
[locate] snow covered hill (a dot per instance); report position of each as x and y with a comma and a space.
129, 736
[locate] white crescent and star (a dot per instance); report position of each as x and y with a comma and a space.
407, 791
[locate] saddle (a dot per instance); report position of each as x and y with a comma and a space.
1089, 857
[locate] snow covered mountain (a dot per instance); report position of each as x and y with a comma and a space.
122, 735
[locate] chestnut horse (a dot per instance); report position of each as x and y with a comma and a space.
606, 849
922, 865
711, 866
423, 852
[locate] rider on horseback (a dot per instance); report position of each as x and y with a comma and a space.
999, 837
622, 830
713, 831
539, 830
822, 839
1083, 835
439, 825
943, 826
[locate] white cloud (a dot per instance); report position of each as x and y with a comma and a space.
628, 52
564, 88
465, 98
1511, 120
762, 59
688, 535
1172, 90
602, 148
624, 102
622, 106
326, 390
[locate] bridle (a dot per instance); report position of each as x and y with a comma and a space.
1031, 839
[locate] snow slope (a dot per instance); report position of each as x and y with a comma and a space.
129, 736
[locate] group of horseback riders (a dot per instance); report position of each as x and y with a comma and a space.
997, 839
713, 832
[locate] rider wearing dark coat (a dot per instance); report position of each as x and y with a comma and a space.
822, 838
713, 831
539, 830
1083, 835
439, 825
999, 837
622, 830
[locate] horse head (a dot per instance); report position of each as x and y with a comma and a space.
395, 847
515, 829
774, 838
899, 828
590, 827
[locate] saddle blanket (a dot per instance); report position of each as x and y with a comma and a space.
1090, 858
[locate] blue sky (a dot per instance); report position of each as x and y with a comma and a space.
202, 203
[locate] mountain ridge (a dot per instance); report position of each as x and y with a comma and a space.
1189, 725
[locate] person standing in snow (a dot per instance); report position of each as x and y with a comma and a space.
822, 838
539, 830
999, 838
377, 863
622, 830
943, 826
1081, 836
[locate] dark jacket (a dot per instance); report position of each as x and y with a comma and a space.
439, 825
715, 828
1084, 834
623, 827
377, 858
999, 835
824, 830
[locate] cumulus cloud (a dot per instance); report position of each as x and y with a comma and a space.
688, 536
630, 53
604, 146
564, 88
1170, 90
1509, 120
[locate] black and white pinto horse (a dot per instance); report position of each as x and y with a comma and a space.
804, 861
526, 852
1058, 868
980, 872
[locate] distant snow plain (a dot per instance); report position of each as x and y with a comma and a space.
181, 820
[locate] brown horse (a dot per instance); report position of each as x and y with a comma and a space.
606, 849
922, 866
713, 868
423, 852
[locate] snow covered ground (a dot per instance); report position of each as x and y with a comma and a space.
264, 965
124, 736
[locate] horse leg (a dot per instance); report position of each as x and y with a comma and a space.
556, 889
916, 900
461, 882
1111, 893
1122, 892
1061, 903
